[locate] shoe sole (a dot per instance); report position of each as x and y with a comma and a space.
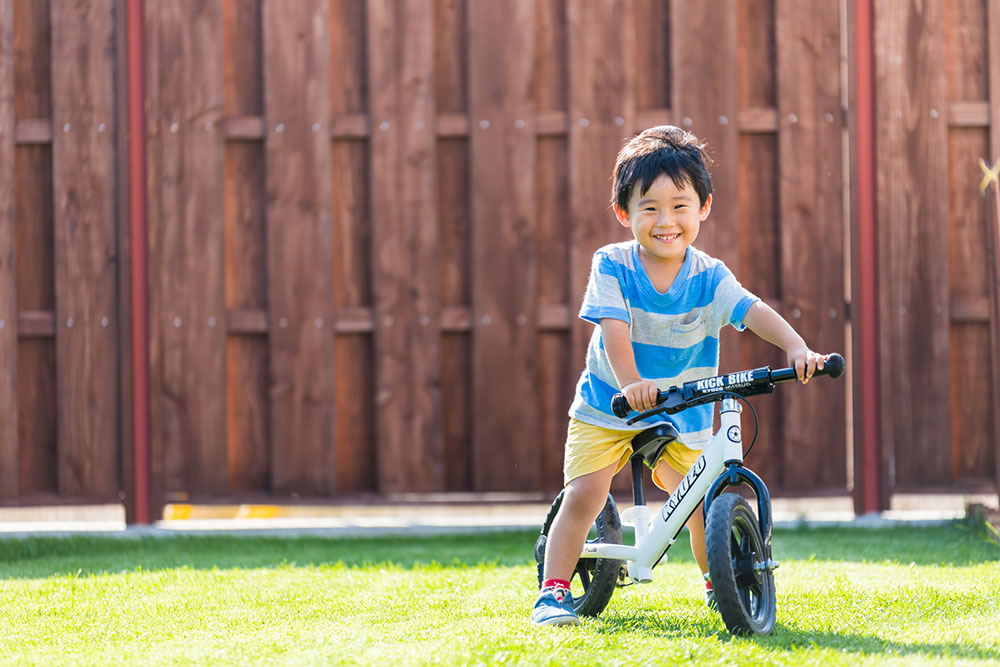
560, 620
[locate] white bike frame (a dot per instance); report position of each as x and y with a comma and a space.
653, 536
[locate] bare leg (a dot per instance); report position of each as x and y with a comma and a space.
584, 498
668, 478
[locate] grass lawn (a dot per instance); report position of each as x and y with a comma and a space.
903, 596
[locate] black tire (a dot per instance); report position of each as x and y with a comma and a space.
594, 579
737, 564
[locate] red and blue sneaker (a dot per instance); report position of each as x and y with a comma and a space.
554, 607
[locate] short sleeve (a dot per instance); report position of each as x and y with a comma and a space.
604, 298
731, 300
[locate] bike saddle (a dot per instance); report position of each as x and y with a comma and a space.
649, 444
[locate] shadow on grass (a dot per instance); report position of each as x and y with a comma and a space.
784, 638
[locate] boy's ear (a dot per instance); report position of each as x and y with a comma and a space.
706, 209
622, 216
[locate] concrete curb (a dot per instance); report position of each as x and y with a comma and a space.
433, 515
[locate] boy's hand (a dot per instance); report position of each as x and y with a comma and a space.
805, 362
641, 394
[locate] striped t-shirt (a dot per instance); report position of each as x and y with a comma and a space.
675, 335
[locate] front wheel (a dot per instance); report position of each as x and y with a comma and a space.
740, 566
593, 580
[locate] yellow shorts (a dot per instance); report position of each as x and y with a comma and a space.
591, 448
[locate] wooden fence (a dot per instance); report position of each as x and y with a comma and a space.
370, 226
938, 113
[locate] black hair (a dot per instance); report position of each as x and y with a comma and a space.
663, 149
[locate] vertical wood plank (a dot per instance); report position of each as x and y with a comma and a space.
296, 93
8, 274
407, 341
125, 367
187, 252
355, 424
454, 249
912, 158
552, 227
247, 404
969, 268
812, 254
35, 276
157, 131
504, 297
85, 247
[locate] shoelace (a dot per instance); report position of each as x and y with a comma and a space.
560, 594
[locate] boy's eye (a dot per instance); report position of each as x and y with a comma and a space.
678, 206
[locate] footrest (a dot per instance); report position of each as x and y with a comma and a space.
637, 515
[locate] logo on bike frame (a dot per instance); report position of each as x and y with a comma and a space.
734, 433
682, 489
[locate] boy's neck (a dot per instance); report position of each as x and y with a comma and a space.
662, 273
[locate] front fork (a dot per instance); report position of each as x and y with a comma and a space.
735, 474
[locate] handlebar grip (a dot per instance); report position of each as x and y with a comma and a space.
620, 406
834, 366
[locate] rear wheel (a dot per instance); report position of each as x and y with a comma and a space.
739, 564
594, 579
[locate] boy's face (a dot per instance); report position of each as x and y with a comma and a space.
665, 220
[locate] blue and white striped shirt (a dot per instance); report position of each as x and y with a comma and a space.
675, 335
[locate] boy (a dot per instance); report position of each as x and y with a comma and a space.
659, 304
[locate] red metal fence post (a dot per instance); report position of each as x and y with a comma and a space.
873, 496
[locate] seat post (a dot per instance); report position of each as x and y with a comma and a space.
638, 490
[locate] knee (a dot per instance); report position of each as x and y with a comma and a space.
583, 502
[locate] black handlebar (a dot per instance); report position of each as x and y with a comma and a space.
708, 390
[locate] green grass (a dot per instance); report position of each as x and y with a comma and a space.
905, 596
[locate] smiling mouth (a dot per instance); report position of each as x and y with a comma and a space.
667, 238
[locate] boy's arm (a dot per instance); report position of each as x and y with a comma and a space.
772, 327
641, 394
